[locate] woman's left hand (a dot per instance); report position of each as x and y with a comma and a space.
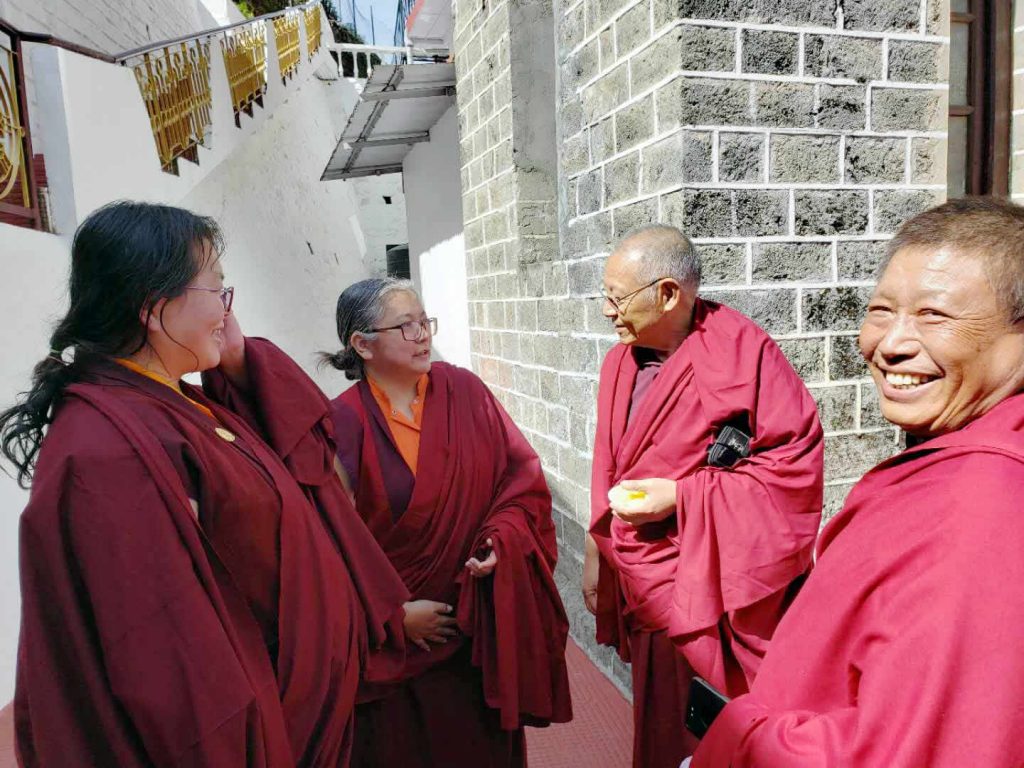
485, 567
232, 352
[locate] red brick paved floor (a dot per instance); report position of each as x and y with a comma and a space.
601, 732
600, 735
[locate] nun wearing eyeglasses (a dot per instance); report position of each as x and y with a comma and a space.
456, 497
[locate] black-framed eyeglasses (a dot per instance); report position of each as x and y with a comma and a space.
227, 294
413, 330
622, 302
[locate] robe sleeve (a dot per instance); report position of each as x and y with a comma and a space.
288, 410
937, 682
515, 616
123, 659
747, 531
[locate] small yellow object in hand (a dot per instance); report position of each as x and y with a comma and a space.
623, 498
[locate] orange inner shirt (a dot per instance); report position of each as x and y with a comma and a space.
404, 431
131, 365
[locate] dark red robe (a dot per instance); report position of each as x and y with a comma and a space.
151, 637
903, 648
713, 580
462, 703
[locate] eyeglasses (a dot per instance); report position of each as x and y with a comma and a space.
622, 302
413, 330
227, 295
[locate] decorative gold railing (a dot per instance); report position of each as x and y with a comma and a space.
314, 33
17, 182
174, 75
175, 86
245, 59
286, 35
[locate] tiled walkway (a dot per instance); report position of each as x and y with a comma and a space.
600, 735
601, 732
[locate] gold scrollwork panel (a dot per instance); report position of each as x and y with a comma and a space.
314, 32
245, 59
175, 86
12, 132
286, 34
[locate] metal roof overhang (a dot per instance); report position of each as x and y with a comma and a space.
397, 108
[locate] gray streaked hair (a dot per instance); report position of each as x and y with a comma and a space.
664, 252
361, 307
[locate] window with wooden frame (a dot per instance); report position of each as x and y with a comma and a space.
980, 74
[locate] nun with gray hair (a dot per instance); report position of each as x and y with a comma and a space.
457, 499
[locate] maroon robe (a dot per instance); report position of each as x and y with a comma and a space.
714, 579
151, 637
903, 647
462, 703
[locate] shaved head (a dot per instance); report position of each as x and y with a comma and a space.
659, 250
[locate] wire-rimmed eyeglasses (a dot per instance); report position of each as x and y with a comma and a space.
622, 302
413, 330
227, 294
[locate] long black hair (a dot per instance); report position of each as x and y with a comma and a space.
125, 257
360, 308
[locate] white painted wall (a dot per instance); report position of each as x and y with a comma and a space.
382, 224
110, 26
34, 266
437, 255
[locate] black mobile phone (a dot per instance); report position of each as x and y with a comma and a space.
704, 705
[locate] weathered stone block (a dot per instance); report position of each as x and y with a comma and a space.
850, 456
622, 178
848, 57
606, 47
845, 359
699, 212
789, 12
791, 262
881, 15
630, 217
895, 206
804, 159
831, 212
835, 497
657, 61
914, 62
741, 156
870, 412
584, 277
837, 407
774, 310
707, 48
606, 93
761, 212
722, 264
834, 309
928, 160
575, 154
842, 107
682, 157
906, 109
634, 124
873, 161
860, 259
571, 29
703, 101
590, 192
789, 105
633, 28
807, 356
770, 53
602, 140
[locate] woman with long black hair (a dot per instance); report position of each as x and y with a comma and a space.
196, 587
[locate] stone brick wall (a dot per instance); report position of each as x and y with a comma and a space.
788, 138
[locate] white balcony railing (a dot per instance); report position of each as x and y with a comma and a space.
356, 62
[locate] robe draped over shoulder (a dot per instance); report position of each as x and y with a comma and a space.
902, 648
477, 478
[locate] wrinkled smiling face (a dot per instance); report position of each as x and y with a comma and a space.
939, 344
